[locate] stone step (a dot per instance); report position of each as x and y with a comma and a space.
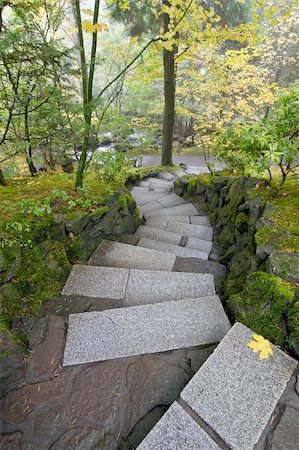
134, 287
176, 250
144, 196
196, 170
235, 393
179, 173
154, 187
181, 210
124, 332
177, 431
197, 231
166, 175
159, 181
117, 254
173, 238
150, 207
163, 222
172, 200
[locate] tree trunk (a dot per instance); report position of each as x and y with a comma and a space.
29, 160
83, 156
169, 99
2, 179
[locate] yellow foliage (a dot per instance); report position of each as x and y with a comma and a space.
168, 45
262, 345
87, 26
88, 12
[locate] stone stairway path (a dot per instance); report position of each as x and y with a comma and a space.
157, 309
229, 401
162, 304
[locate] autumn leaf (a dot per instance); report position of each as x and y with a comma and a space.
88, 12
168, 45
87, 26
260, 344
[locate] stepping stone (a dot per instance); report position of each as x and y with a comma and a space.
162, 222
158, 235
174, 249
200, 220
143, 196
197, 231
235, 393
150, 207
124, 332
159, 182
154, 287
166, 175
179, 173
198, 244
177, 431
172, 200
99, 282
133, 287
181, 210
117, 254
196, 170
172, 238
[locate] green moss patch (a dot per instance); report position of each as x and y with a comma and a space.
263, 305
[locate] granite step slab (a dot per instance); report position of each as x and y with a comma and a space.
197, 231
196, 170
96, 282
179, 173
235, 393
200, 220
152, 188
177, 430
162, 222
176, 250
124, 332
172, 200
159, 182
166, 175
145, 286
117, 254
173, 238
142, 197
134, 287
150, 207
199, 244
180, 210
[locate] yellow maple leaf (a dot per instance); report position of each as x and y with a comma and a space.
168, 45
87, 26
88, 12
260, 344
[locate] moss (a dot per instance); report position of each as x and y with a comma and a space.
192, 185
262, 305
293, 325
40, 276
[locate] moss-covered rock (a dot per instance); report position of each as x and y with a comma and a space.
263, 304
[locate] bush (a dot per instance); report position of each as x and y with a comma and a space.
252, 147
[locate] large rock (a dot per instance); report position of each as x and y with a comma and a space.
44, 357
286, 434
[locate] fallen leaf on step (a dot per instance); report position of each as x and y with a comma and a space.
260, 344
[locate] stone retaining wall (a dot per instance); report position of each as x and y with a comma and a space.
33, 273
261, 282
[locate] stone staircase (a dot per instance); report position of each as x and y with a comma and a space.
160, 307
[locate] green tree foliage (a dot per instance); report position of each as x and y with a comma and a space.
254, 146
